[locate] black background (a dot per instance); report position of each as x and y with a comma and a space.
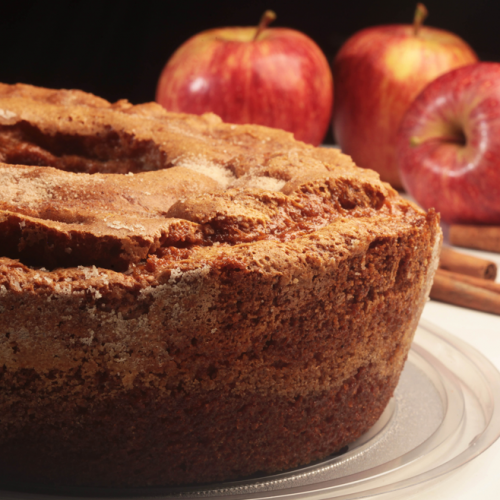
117, 49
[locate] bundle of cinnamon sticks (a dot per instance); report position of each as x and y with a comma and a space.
465, 280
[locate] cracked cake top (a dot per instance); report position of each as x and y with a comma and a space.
87, 182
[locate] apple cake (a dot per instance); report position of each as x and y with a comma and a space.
188, 301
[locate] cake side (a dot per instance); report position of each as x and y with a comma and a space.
295, 356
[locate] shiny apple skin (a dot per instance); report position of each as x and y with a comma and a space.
378, 72
281, 80
449, 145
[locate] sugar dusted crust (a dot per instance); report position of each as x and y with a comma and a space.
189, 300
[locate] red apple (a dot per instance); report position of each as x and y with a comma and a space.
378, 72
269, 76
449, 145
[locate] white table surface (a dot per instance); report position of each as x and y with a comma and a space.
479, 479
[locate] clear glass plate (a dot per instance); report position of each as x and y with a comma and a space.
445, 412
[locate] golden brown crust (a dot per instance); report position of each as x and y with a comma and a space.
176, 300
43, 209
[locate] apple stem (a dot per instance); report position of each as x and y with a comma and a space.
421, 13
267, 18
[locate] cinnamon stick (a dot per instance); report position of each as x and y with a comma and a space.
448, 289
472, 280
462, 263
479, 237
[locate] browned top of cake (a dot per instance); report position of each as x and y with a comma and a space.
114, 184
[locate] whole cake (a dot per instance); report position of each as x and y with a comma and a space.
188, 301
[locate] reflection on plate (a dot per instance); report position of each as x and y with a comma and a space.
445, 412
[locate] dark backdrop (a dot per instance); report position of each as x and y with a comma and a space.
116, 49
